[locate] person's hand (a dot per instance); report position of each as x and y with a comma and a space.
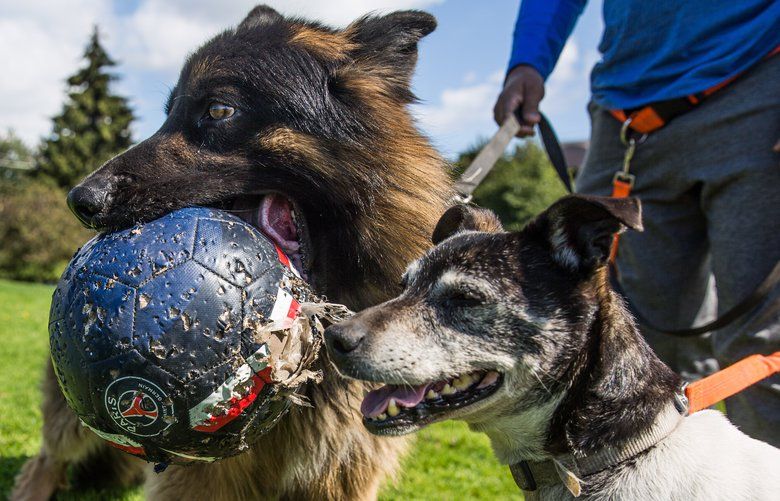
524, 88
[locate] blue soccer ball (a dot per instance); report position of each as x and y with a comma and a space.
151, 338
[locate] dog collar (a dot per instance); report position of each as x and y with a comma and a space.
569, 469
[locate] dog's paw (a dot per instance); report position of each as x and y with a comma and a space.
39, 478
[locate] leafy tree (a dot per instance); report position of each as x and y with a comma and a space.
519, 187
38, 234
94, 124
16, 159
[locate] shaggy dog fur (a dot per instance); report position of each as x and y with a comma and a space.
319, 116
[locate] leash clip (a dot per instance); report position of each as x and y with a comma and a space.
460, 198
681, 401
624, 177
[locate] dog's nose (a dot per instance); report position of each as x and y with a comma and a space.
86, 201
344, 338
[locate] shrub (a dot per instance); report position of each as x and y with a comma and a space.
38, 234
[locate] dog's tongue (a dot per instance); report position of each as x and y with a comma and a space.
376, 401
276, 221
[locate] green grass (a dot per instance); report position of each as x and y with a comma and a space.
448, 462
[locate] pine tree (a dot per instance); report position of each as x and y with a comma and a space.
94, 124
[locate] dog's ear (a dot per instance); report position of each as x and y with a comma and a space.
463, 217
391, 40
581, 228
259, 16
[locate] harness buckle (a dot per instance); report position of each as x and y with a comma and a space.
624, 177
681, 401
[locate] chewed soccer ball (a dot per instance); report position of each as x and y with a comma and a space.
166, 338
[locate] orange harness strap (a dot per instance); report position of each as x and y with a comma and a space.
621, 188
731, 380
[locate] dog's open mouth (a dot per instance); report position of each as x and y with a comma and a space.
397, 409
279, 218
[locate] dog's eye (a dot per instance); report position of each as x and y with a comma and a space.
463, 299
219, 111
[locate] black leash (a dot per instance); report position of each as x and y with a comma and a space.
494, 149
553, 148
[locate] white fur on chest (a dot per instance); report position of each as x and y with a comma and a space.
520, 436
705, 458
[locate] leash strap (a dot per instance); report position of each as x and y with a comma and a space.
487, 157
623, 180
554, 152
731, 380
754, 299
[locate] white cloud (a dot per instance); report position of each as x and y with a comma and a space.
462, 113
41, 42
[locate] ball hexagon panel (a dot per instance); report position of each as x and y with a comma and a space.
101, 316
135, 255
69, 365
233, 249
187, 330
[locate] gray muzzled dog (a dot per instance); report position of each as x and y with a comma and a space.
521, 336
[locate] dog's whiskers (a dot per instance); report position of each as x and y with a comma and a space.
533, 372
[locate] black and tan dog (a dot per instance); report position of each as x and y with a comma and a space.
520, 335
304, 131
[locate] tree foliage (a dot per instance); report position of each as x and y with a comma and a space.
94, 124
16, 159
519, 187
38, 234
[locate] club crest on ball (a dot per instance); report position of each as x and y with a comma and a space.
139, 406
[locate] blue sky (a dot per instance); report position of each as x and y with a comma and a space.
460, 68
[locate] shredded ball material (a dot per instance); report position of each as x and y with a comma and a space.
293, 349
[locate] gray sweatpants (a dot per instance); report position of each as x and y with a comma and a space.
709, 183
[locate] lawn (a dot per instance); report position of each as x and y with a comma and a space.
448, 461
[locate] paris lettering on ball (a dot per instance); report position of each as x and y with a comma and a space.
150, 340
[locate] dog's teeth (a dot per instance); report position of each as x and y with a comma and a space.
448, 390
381, 417
463, 382
431, 395
490, 378
392, 408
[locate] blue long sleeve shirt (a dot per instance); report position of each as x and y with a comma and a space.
652, 50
